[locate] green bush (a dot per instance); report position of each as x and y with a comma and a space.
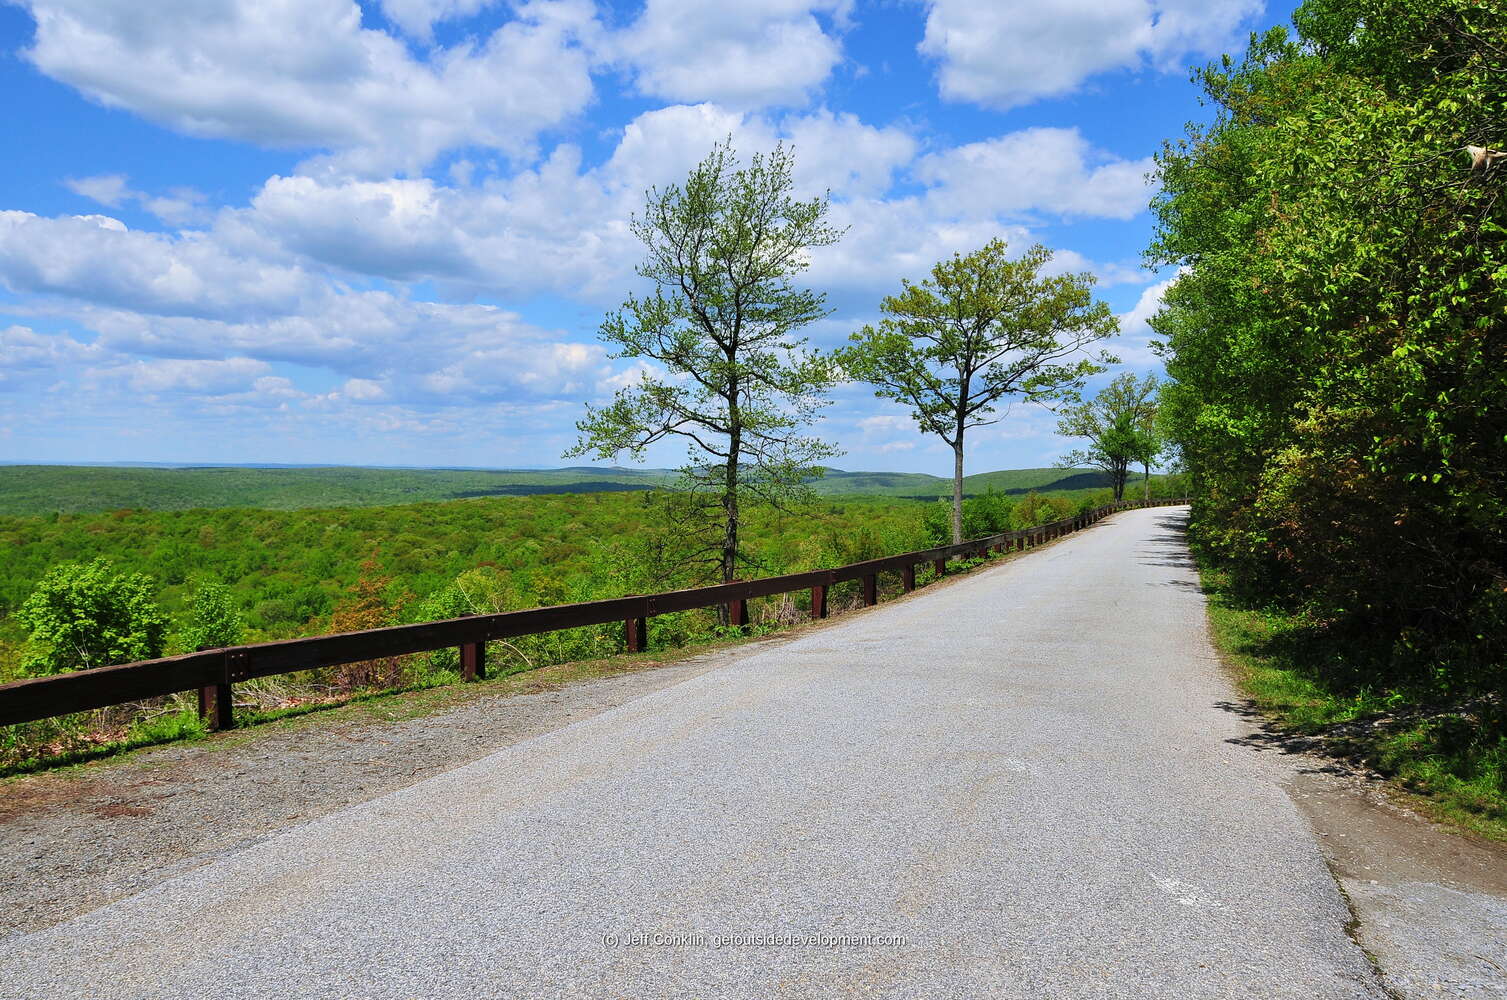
212, 619
85, 615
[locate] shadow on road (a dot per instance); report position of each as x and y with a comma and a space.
1328, 756
1169, 548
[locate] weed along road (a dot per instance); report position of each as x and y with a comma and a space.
1016, 784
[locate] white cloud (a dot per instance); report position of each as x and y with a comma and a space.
99, 260
1133, 345
556, 227
186, 377
1053, 171
1008, 54
180, 206
417, 18
305, 74
27, 356
363, 390
760, 53
107, 189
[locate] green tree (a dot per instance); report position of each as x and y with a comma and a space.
1119, 424
85, 615
981, 330
213, 620
723, 251
1336, 340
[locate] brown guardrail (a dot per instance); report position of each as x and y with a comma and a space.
214, 672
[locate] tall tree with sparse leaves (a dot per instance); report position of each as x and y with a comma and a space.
738, 387
981, 331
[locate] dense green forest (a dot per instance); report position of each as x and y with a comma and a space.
80, 489
1337, 344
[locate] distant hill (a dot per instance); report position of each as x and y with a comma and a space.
43, 489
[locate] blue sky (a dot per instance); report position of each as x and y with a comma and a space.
320, 231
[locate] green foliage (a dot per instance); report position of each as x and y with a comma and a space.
213, 621
936, 521
85, 615
990, 513
980, 330
1315, 684
1337, 341
722, 321
987, 514
1034, 510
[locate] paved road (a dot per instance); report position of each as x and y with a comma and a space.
1013, 785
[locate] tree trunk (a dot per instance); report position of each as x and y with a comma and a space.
730, 491
957, 489
730, 526
1117, 479
1146, 490
730, 509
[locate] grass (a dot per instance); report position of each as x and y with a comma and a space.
1438, 758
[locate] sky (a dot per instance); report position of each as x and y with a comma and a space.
386, 232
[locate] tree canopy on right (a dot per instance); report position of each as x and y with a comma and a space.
1337, 339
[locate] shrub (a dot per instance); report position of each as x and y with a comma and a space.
212, 619
85, 615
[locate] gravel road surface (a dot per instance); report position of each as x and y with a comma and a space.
1017, 785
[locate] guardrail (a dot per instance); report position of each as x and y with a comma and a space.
214, 672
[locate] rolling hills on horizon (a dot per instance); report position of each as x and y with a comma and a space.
44, 489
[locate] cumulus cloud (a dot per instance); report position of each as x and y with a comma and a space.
99, 260
1051, 171
27, 356
1008, 54
179, 206
305, 74
556, 227
186, 377
417, 18
769, 52
107, 189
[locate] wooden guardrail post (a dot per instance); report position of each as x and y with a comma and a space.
818, 601
473, 661
216, 707
908, 577
871, 589
940, 566
217, 701
737, 613
636, 634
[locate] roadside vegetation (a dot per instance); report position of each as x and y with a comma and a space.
1325, 701
1337, 352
